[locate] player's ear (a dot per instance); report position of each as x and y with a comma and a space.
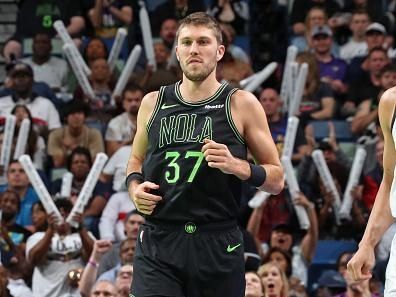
220, 52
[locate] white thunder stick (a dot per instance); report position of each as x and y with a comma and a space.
116, 48
290, 137
66, 39
294, 189
285, 86
22, 138
328, 181
244, 82
261, 77
147, 36
39, 187
66, 187
258, 199
78, 70
353, 180
299, 89
88, 187
127, 71
9, 131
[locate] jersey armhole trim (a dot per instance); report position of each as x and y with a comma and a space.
229, 116
393, 118
156, 108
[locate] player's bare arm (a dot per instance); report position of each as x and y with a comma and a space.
381, 218
144, 201
250, 119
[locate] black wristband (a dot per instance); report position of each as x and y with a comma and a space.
257, 175
133, 176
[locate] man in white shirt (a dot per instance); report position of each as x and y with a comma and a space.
47, 68
357, 45
42, 109
121, 130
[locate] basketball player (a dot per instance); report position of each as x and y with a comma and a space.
185, 172
384, 209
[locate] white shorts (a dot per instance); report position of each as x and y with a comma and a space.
390, 276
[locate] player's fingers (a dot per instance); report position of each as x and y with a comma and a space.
149, 185
213, 145
213, 158
147, 196
216, 152
147, 207
218, 165
355, 270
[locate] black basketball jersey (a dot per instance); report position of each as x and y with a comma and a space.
190, 189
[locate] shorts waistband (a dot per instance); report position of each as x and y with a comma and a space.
192, 227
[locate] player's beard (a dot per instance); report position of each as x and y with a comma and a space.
199, 74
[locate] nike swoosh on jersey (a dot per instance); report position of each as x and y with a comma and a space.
164, 106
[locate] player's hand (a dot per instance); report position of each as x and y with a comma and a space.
218, 156
361, 264
145, 202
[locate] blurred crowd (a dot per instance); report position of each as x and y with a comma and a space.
349, 48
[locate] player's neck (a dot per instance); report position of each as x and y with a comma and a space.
195, 91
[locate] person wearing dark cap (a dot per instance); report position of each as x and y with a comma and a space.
75, 133
332, 70
330, 283
375, 37
42, 109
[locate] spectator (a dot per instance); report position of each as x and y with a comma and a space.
107, 16
316, 16
121, 129
19, 182
87, 286
124, 280
367, 111
152, 80
102, 105
75, 133
233, 12
318, 102
35, 146
231, 69
36, 17
126, 252
47, 68
10, 207
236, 52
132, 223
277, 122
366, 91
44, 113
330, 283
173, 9
39, 217
168, 32
357, 45
254, 286
111, 225
332, 70
79, 163
57, 251
281, 258
95, 49
40, 88
274, 280
375, 38
104, 288
302, 8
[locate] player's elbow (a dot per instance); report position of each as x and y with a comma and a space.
276, 185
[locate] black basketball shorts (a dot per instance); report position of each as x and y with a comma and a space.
188, 260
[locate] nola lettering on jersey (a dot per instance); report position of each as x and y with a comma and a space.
182, 128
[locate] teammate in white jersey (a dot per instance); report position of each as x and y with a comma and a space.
384, 210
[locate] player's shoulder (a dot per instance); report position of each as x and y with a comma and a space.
244, 99
389, 96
